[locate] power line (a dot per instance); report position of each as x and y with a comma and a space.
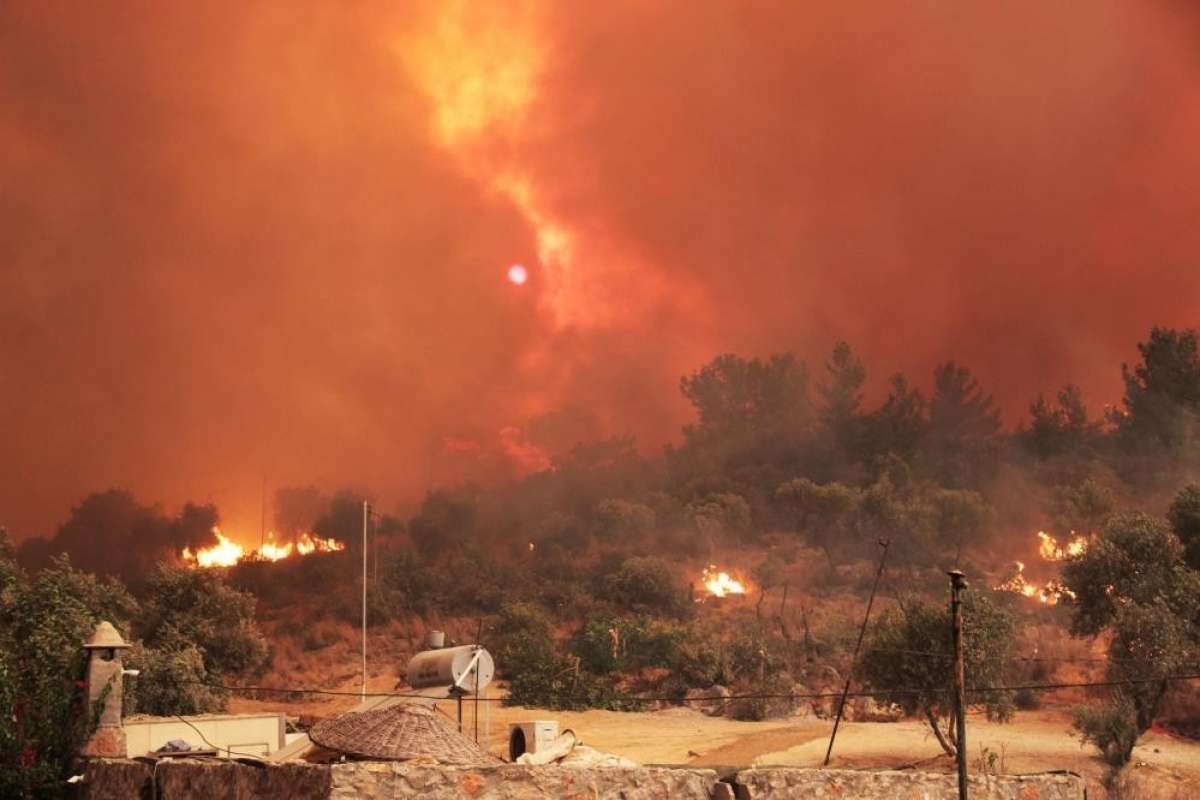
204, 739
875, 693
293, 690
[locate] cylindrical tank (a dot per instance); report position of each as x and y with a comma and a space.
450, 666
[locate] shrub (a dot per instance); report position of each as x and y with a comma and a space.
171, 682
645, 583
521, 636
778, 702
912, 650
613, 644
44, 713
1027, 700
622, 521
1110, 728
756, 653
197, 606
702, 659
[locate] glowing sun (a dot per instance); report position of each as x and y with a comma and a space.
518, 274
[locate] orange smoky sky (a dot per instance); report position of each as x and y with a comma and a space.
248, 240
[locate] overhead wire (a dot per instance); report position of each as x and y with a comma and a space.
875, 693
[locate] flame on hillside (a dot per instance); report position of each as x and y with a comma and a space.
1051, 550
1049, 593
1053, 590
226, 553
720, 584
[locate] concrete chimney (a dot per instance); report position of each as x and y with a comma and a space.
104, 686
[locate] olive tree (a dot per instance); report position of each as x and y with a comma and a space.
911, 652
1133, 584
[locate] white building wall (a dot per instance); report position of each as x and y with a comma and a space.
232, 734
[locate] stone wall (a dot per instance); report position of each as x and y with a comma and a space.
186, 779
819, 784
513, 782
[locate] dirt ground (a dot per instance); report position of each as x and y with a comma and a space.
1165, 766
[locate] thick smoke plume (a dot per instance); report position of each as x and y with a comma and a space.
248, 240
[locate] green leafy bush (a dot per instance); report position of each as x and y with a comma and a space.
171, 682
1110, 728
44, 714
912, 650
645, 583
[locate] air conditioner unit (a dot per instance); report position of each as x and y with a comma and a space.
530, 737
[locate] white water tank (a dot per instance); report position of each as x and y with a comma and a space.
450, 667
531, 737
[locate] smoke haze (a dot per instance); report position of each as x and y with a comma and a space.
240, 241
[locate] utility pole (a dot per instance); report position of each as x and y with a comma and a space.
958, 583
262, 508
858, 646
366, 513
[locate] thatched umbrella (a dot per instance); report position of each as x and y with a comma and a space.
399, 733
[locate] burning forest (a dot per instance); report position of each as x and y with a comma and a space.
227, 553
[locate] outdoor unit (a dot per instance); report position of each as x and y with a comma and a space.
531, 737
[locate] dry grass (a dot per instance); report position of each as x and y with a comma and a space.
1140, 782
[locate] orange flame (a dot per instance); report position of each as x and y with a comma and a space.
1053, 590
1051, 551
719, 584
1049, 594
226, 553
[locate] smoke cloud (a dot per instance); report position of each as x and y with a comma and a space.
240, 241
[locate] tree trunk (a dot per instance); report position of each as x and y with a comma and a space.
808, 642
937, 732
783, 631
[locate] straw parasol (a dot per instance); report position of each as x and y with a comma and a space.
399, 733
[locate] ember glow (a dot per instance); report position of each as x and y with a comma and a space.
226, 553
720, 584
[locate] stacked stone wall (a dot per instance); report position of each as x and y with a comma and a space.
192, 779
820, 784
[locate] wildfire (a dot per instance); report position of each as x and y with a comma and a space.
1050, 550
1053, 590
1048, 594
719, 584
226, 553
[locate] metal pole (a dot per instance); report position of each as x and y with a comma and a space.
957, 584
366, 511
861, 631
262, 507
